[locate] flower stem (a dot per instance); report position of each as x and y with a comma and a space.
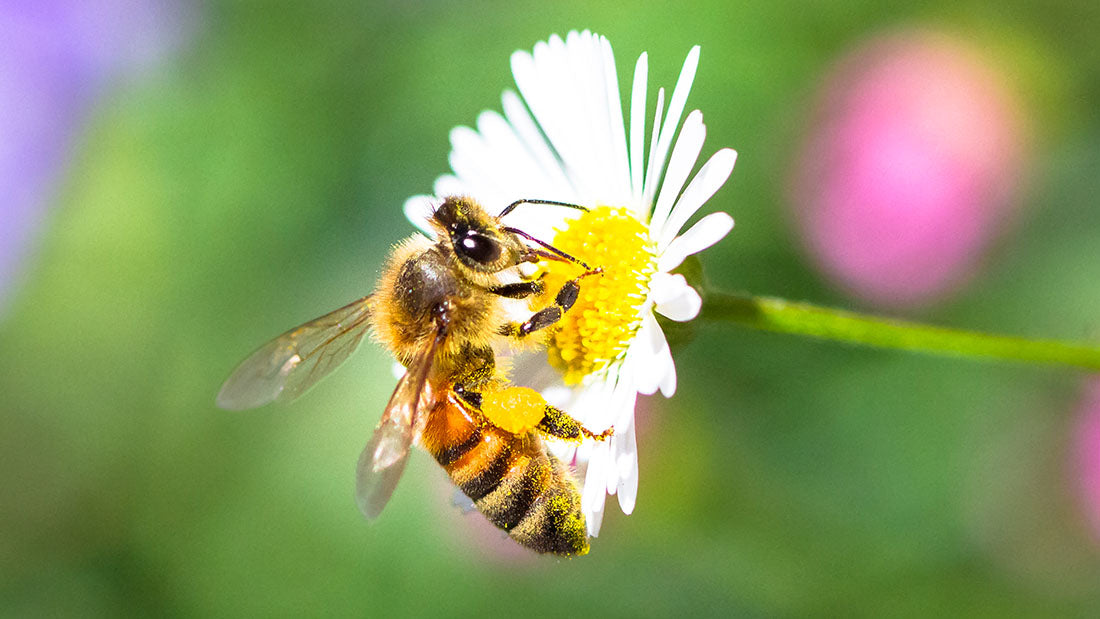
781, 316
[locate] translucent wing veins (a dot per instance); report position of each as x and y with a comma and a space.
289, 365
383, 459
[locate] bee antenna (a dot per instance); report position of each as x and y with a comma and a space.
554, 251
512, 206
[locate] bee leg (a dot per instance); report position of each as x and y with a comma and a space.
519, 290
478, 366
558, 423
473, 398
478, 370
566, 297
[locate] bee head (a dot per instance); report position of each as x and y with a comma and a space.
477, 239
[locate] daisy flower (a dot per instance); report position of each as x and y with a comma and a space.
563, 137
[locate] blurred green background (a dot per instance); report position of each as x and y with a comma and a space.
254, 180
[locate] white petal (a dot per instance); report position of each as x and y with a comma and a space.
706, 232
619, 179
608, 161
530, 79
652, 172
492, 162
450, 185
564, 85
626, 397
556, 185
528, 70
622, 409
509, 160
467, 159
658, 370
563, 451
637, 132
550, 90
684, 155
595, 400
626, 461
588, 403
672, 120
649, 363
593, 519
674, 298
710, 178
418, 209
558, 395
586, 151
611, 475
594, 494
668, 376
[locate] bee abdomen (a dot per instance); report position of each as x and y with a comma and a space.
513, 480
522, 485
538, 504
554, 523
483, 468
447, 455
476, 458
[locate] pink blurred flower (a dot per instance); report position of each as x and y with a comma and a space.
910, 168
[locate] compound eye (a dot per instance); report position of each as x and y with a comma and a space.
479, 247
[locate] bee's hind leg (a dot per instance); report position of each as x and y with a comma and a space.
519, 410
560, 424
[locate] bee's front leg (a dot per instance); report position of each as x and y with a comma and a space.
519, 290
563, 300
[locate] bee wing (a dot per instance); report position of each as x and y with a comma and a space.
383, 459
290, 364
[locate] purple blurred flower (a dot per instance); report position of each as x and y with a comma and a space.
910, 168
55, 55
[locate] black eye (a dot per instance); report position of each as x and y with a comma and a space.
478, 247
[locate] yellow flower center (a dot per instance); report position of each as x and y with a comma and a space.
599, 326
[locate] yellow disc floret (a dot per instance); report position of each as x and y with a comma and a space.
515, 409
600, 325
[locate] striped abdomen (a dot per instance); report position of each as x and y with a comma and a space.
512, 479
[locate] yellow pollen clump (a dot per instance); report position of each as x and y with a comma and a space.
515, 409
599, 326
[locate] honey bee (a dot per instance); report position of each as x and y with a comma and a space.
439, 307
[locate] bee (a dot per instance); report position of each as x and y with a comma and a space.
440, 307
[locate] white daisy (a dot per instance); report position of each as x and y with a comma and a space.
572, 146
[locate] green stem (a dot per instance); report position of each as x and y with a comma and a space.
778, 315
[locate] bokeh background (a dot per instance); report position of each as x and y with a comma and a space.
180, 181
